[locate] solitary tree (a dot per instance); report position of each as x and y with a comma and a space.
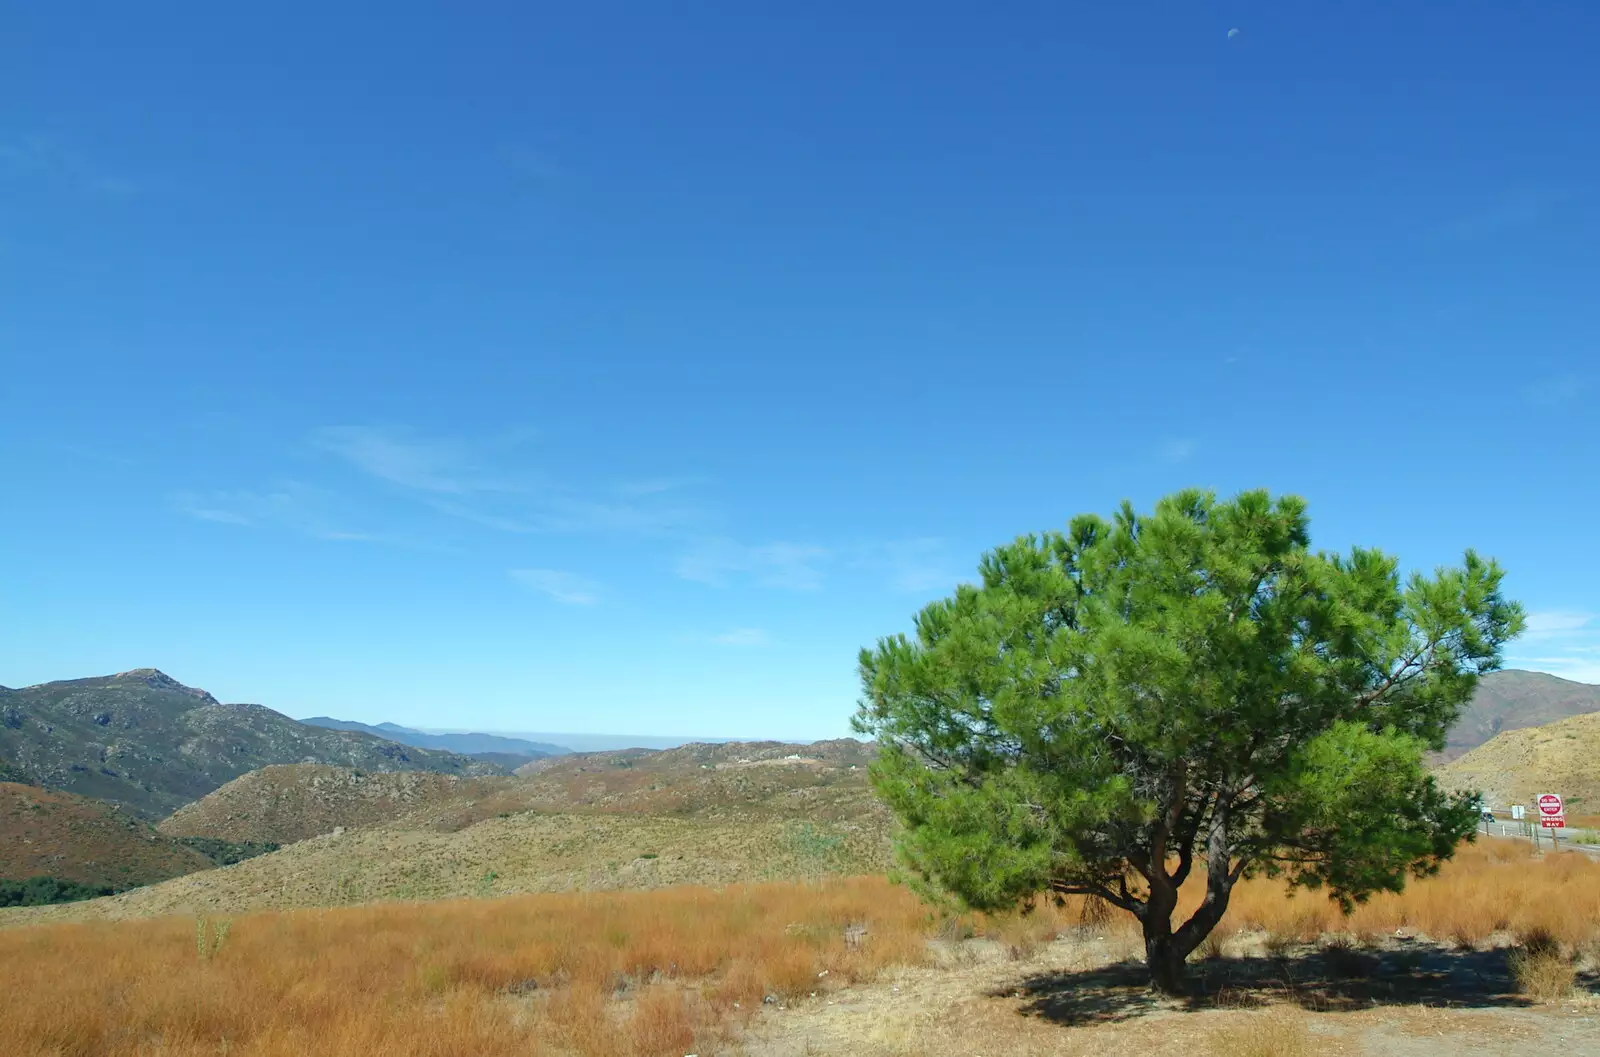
1118, 704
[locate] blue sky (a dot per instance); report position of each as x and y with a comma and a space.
626, 369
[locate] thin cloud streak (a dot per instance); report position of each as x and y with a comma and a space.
742, 637
721, 562
1555, 391
294, 507
455, 478
916, 565
1568, 645
564, 587
440, 466
1177, 450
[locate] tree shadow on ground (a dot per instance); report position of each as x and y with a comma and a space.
1403, 972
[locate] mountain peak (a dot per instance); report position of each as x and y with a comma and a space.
156, 679
152, 676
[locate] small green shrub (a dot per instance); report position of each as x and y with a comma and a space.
228, 852
208, 948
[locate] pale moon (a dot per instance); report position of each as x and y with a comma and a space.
1232, 33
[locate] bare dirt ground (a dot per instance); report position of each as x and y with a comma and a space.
1407, 998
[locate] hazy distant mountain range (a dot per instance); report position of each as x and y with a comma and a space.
488, 745
466, 743
612, 742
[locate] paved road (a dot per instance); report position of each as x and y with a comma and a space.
1520, 830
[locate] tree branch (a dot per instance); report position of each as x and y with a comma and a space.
1123, 901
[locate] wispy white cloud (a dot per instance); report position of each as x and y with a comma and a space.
530, 164
402, 458
293, 506
1177, 450
564, 587
1513, 210
221, 515
1560, 642
465, 480
1555, 391
55, 163
656, 485
742, 637
721, 561
1549, 623
916, 565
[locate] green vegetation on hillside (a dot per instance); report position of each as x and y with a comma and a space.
44, 891
228, 852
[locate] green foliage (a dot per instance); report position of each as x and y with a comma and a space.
42, 891
227, 852
1113, 704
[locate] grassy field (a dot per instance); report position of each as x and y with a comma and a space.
684, 969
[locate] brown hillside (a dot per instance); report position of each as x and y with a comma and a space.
822, 782
706, 814
1513, 767
1514, 699
290, 802
44, 832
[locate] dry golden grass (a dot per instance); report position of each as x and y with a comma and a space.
1269, 1033
675, 970
1493, 886
1542, 969
620, 973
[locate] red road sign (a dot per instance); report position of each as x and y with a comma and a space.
1552, 812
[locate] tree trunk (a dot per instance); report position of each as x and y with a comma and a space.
1163, 958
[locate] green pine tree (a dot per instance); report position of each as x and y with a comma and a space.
1131, 700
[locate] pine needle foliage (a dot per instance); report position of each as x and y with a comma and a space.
1116, 705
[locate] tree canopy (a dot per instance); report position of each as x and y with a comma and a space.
1117, 705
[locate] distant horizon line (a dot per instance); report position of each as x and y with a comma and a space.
556, 736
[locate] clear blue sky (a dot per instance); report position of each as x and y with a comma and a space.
626, 368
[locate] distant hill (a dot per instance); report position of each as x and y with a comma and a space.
47, 833
1515, 766
699, 814
291, 802
1514, 699
464, 743
145, 741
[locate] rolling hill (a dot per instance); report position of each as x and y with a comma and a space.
708, 814
291, 802
1514, 699
1516, 765
47, 833
144, 741
822, 782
